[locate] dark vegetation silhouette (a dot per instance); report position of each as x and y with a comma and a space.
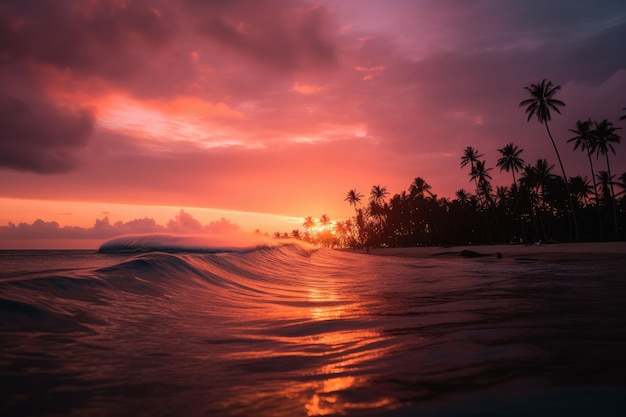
538, 206
541, 103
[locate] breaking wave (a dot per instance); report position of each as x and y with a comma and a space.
172, 243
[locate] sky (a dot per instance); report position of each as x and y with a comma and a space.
258, 113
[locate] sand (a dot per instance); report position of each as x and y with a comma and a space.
557, 251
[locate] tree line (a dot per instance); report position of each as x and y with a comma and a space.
540, 205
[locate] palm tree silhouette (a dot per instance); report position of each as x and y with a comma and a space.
324, 220
480, 174
606, 182
308, 224
463, 197
540, 105
419, 186
378, 194
543, 172
378, 206
470, 156
605, 137
510, 160
624, 116
353, 198
502, 194
585, 140
580, 188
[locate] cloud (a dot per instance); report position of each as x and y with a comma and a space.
106, 38
40, 136
308, 88
184, 223
280, 34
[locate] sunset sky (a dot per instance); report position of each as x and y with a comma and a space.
255, 114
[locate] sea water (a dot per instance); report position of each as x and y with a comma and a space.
298, 331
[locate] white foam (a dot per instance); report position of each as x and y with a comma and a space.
213, 243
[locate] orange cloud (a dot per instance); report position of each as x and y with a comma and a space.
370, 72
194, 106
308, 88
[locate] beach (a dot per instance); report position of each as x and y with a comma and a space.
546, 252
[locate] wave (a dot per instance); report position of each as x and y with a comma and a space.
173, 243
157, 271
279, 328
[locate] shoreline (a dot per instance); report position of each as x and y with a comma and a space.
551, 251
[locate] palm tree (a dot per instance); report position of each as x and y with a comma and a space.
502, 193
580, 188
325, 236
481, 175
324, 221
585, 140
470, 156
529, 187
353, 198
308, 223
605, 137
463, 197
540, 104
606, 182
419, 186
510, 160
341, 232
378, 194
543, 173
624, 116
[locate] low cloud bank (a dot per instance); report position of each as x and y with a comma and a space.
183, 223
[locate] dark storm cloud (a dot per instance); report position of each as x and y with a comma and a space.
100, 38
109, 40
116, 39
280, 34
577, 40
41, 137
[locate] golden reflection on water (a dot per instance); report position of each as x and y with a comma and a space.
327, 398
355, 353
347, 353
325, 312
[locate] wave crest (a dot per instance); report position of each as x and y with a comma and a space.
172, 243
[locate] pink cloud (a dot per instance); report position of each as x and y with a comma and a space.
184, 223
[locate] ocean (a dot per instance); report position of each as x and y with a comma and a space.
292, 330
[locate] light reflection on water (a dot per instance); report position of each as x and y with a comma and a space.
277, 333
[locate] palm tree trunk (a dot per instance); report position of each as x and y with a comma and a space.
495, 213
478, 193
569, 195
595, 191
613, 201
593, 176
